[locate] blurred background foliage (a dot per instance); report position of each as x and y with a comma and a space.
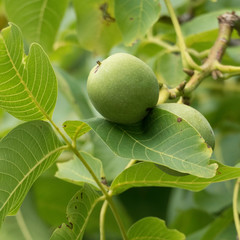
88, 32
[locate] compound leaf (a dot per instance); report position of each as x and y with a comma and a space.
79, 210
153, 228
163, 138
28, 86
39, 20
25, 153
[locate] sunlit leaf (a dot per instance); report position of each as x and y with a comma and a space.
28, 86
163, 138
136, 17
39, 20
153, 228
75, 129
101, 32
149, 174
25, 153
79, 210
75, 172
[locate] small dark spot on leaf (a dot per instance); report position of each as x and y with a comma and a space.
60, 226
77, 197
105, 14
64, 125
209, 146
81, 195
70, 226
218, 173
75, 207
131, 18
179, 119
40, 126
104, 181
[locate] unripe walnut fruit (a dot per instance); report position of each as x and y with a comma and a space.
123, 88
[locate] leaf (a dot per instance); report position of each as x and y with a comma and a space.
203, 29
27, 216
78, 211
101, 32
39, 20
149, 174
160, 138
51, 196
135, 17
75, 93
25, 153
112, 163
75, 172
164, 68
75, 129
153, 228
216, 228
28, 84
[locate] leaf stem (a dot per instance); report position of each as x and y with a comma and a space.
186, 58
107, 195
235, 209
102, 220
131, 162
23, 226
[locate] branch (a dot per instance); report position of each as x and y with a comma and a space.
227, 23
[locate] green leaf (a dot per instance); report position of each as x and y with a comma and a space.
101, 32
25, 153
39, 20
25, 225
217, 227
165, 64
160, 138
78, 211
75, 172
112, 163
51, 196
75, 129
203, 29
149, 174
153, 228
28, 84
136, 17
75, 93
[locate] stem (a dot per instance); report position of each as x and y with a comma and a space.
227, 68
117, 217
186, 58
235, 210
102, 220
98, 182
23, 226
131, 162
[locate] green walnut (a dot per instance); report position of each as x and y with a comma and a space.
123, 88
194, 118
